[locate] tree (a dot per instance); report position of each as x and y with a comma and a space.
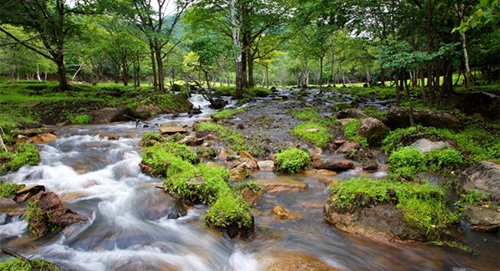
51, 23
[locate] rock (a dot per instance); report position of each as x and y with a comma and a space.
108, 114
312, 130
332, 164
348, 146
160, 205
28, 192
484, 103
109, 137
294, 261
248, 161
223, 154
398, 117
172, 130
191, 140
267, 166
280, 185
46, 137
51, 213
370, 167
238, 174
483, 176
425, 145
280, 212
482, 218
383, 221
250, 196
373, 130
146, 111
351, 113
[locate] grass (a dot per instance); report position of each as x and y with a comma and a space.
351, 132
24, 154
227, 113
8, 189
313, 132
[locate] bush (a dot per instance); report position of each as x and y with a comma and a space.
292, 160
406, 163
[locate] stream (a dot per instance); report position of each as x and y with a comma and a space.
101, 179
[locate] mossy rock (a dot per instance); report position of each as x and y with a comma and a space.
23, 154
21, 265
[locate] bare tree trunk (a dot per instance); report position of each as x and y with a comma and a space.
412, 119
153, 65
467, 66
236, 30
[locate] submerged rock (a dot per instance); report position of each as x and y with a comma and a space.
294, 261
280, 185
332, 164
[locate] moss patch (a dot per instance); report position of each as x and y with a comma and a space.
24, 154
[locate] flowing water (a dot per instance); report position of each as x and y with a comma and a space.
101, 179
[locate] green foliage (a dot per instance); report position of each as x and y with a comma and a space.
351, 132
406, 163
292, 160
341, 106
313, 132
8, 189
475, 196
375, 112
80, 119
25, 154
308, 113
423, 206
21, 265
227, 113
227, 210
447, 158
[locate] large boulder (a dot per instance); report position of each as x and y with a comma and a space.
108, 114
483, 176
332, 164
484, 103
374, 130
425, 145
351, 113
383, 221
49, 213
398, 117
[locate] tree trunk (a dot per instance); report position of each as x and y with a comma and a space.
407, 89
236, 30
321, 75
251, 80
153, 66
125, 71
160, 72
61, 73
382, 77
422, 87
398, 89
467, 66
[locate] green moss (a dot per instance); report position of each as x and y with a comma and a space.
21, 265
308, 113
313, 132
149, 139
168, 158
292, 160
423, 205
25, 154
38, 220
197, 185
229, 209
444, 159
8, 189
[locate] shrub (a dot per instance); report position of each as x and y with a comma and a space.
406, 163
313, 132
292, 160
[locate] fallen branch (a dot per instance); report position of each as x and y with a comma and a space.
20, 257
1, 140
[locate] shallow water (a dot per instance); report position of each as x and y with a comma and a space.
101, 179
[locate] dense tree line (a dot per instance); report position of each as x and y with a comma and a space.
247, 42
